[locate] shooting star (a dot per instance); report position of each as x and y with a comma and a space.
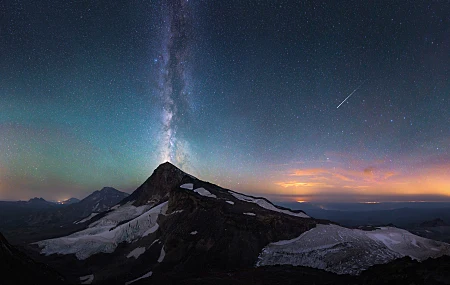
352, 93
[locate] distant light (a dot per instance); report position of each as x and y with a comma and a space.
301, 201
370, 202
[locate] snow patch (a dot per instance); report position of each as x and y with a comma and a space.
176, 212
142, 277
194, 233
204, 192
266, 205
136, 252
87, 279
250, 214
188, 186
161, 255
230, 202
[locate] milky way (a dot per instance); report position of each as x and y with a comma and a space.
174, 84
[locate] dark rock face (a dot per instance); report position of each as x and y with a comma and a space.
402, 271
227, 238
17, 268
408, 271
260, 276
156, 188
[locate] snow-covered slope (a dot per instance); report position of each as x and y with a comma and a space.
266, 205
342, 250
105, 234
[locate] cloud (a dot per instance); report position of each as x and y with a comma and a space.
345, 177
389, 174
338, 175
342, 177
302, 184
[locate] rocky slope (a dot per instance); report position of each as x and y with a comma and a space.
404, 271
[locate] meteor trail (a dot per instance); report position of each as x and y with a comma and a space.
352, 93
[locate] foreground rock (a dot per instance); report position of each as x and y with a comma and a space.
404, 271
17, 268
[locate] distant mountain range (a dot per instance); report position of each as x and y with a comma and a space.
97, 202
22, 220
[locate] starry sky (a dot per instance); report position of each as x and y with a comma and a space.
244, 94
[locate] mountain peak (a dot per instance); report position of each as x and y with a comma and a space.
108, 189
157, 187
168, 166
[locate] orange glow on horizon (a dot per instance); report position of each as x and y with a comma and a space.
366, 182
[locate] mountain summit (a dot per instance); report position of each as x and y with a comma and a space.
101, 200
157, 187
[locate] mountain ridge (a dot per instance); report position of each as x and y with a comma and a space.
177, 223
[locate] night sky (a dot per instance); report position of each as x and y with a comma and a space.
240, 93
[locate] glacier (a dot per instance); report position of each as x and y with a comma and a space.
349, 251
